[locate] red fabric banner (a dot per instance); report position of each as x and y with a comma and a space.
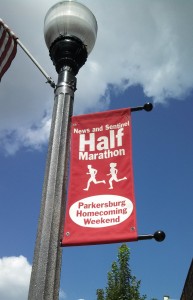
101, 203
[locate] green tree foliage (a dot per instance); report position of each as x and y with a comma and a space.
100, 294
121, 284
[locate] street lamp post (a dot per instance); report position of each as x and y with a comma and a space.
70, 31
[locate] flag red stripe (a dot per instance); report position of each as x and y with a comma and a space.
9, 61
2, 39
9, 49
6, 49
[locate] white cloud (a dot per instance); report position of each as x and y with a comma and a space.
15, 275
62, 294
14, 278
33, 137
37, 136
148, 43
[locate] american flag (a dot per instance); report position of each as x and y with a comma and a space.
8, 48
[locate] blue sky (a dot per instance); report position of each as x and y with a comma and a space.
143, 53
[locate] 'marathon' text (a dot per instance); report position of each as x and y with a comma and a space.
103, 147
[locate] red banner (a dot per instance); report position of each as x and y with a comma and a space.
101, 203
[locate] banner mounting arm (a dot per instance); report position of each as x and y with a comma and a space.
147, 107
159, 236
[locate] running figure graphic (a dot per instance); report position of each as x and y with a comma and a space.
113, 173
92, 172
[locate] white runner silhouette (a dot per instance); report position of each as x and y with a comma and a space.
113, 173
92, 178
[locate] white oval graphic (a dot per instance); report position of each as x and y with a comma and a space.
101, 211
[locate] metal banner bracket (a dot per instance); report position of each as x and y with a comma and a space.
159, 236
147, 107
